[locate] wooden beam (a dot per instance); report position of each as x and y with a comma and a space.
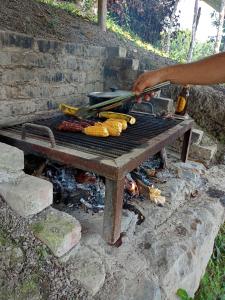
102, 14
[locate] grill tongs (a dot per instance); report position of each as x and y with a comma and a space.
93, 110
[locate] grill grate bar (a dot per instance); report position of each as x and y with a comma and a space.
146, 127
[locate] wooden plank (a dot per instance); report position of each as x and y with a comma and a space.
102, 14
113, 210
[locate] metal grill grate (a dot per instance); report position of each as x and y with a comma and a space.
146, 128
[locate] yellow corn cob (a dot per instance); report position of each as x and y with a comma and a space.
113, 115
114, 123
113, 130
68, 110
123, 122
96, 130
155, 191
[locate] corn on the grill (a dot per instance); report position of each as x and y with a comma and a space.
113, 115
68, 110
96, 130
115, 124
123, 122
113, 130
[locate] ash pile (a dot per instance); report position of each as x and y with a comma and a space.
77, 189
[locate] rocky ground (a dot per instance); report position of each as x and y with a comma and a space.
169, 250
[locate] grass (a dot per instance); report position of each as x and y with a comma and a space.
111, 25
212, 286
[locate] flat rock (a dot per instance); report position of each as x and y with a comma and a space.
190, 172
196, 136
203, 153
216, 177
11, 176
29, 196
11, 158
87, 267
128, 222
58, 230
171, 248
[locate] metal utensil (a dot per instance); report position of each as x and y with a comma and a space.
89, 111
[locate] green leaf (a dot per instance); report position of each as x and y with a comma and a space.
182, 294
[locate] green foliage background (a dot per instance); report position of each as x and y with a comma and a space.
180, 42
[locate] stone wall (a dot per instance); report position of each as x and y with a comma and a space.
36, 75
206, 106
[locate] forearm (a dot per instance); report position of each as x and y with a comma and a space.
210, 70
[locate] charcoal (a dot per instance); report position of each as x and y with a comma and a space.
73, 188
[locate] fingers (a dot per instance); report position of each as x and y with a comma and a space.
139, 87
146, 97
139, 99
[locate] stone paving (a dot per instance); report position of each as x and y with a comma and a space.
169, 250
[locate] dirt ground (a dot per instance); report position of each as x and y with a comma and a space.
41, 20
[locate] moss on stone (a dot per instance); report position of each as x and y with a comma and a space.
52, 229
37, 228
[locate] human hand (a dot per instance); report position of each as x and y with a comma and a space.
145, 80
146, 97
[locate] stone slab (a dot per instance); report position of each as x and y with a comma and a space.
58, 230
29, 196
190, 172
204, 153
117, 51
120, 63
128, 222
11, 158
196, 136
10, 176
171, 248
88, 268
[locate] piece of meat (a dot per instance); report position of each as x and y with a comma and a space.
71, 127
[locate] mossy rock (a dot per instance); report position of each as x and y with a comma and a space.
57, 230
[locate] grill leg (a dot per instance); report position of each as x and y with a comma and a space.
163, 156
113, 210
186, 145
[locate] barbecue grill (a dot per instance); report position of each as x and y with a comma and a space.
111, 157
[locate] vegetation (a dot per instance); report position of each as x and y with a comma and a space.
212, 286
180, 45
145, 18
180, 39
111, 24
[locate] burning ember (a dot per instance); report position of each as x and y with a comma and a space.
131, 186
80, 189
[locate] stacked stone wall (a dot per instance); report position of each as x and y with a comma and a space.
36, 75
